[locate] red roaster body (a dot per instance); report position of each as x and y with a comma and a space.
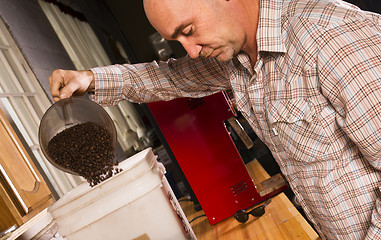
203, 148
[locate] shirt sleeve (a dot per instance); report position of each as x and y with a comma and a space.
155, 81
350, 75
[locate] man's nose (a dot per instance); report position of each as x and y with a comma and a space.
192, 49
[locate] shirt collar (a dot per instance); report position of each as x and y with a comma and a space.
269, 34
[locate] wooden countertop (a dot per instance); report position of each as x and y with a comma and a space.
282, 221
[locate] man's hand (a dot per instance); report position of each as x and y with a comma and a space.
65, 83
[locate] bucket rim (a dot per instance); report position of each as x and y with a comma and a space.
66, 199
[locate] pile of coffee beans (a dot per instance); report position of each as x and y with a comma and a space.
85, 149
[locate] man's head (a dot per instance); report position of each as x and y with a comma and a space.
205, 28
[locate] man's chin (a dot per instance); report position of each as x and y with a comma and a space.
220, 55
224, 57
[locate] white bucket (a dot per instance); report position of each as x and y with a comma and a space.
136, 203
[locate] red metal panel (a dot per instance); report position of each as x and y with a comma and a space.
202, 146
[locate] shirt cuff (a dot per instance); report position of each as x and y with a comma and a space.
108, 85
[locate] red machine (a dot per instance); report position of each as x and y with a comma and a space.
194, 130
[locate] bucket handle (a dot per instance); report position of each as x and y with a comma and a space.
159, 167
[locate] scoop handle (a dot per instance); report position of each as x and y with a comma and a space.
67, 114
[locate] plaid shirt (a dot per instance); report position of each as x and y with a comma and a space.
313, 97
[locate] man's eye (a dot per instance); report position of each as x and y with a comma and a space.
188, 31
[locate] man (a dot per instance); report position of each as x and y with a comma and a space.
306, 74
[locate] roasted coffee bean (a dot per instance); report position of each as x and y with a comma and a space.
85, 149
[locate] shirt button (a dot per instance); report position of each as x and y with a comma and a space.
275, 131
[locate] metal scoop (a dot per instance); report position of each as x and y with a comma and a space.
67, 113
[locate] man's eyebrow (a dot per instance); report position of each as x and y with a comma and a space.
177, 31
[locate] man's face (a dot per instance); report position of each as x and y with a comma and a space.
205, 28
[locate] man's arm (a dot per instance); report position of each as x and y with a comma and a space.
144, 82
350, 75
156, 81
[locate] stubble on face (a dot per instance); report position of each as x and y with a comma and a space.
226, 55
222, 53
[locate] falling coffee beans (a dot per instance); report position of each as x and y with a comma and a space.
85, 149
